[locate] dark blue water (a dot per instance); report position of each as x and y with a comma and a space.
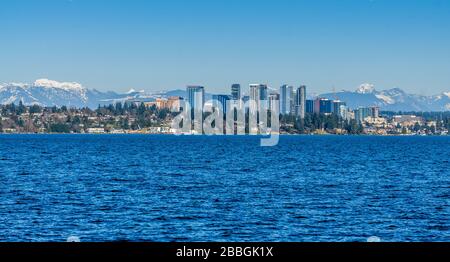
167, 188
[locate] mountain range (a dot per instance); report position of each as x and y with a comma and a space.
46, 92
392, 99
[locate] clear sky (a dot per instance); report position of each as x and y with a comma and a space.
167, 44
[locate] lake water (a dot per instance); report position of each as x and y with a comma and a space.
168, 188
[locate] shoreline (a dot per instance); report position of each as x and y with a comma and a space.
224, 135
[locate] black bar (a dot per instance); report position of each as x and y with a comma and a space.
225, 250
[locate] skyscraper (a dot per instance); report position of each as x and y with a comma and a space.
317, 106
326, 106
300, 102
236, 92
375, 111
362, 113
196, 99
337, 106
221, 102
273, 98
310, 106
258, 92
344, 112
291, 99
323, 106
286, 99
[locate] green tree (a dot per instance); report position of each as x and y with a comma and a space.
59, 128
35, 109
21, 109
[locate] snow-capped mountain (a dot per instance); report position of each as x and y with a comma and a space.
392, 99
365, 89
44, 92
47, 92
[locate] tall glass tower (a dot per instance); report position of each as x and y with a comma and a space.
236, 92
287, 100
300, 102
196, 99
258, 92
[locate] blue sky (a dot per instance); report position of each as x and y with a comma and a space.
167, 44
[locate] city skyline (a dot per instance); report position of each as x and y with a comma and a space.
47, 92
162, 45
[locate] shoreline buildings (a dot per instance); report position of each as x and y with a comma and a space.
221, 101
286, 99
258, 93
364, 112
196, 102
236, 92
293, 101
300, 102
174, 103
290, 101
134, 116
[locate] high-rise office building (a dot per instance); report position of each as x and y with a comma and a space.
236, 92
245, 99
283, 96
310, 106
258, 103
344, 112
258, 92
196, 99
375, 111
317, 106
287, 100
300, 102
323, 106
221, 102
273, 99
362, 113
291, 100
337, 106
